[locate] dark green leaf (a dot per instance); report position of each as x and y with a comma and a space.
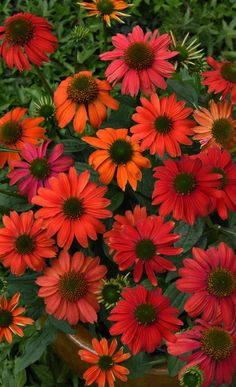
190, 234
177, 298
174, 365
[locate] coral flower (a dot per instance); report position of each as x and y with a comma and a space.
213, 351
37, 168
72, 207
221, 162
140, 62
144, 318
162, 125
83, 97
108, 9
24, 242
10, 319
15, 131
106, 363
221, 79
216, 126
26, 39
185, 188
142, 244
117, 153
69, 287
211, 279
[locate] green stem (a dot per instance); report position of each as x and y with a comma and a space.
45, 83
209, 222
104, 28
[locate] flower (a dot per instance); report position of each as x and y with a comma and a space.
188, 53
214, 351
185, 188
44, 107
162, 125
15, 131
110, 290
221, 79
191, 377
69, 287
221, 162
24, 242
141, 244
117, 153
143, 318
26, 39
105, 362
36, 169
210, 278
142, 63
72, 207
107, 9
82, 96
216, 126
10, 319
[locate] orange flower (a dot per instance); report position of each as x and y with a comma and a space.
83, 96
120, 152
10, 318
14, 132
216, 126
105, 363
107, 9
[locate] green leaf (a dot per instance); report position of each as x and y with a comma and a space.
44, 375
184, 90
138, 365
190, 234
81, 167
61, 325
20, 379
174, 365
73, 145
177, 298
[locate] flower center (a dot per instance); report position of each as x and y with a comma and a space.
221, 283
192, 377
24, 244
46, 111
10, 132
111, 293
145, 249
121, 151
224, 178
82, 89
228, 71
183, 53
19, 30
217, 343
184, 183
73, 286
163, 124
73, 208
105, 362
222, 131
139, 56
145, 314
5, 318
40, 168
106, 7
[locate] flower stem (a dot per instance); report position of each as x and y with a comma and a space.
209, 222
45, 83
104, 28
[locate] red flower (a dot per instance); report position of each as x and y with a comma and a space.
143, 318
141, 243
185, 187
26, 38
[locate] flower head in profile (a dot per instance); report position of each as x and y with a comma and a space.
69, 287
140, 61
11, 320
36, 168
105, 360
44, 107
82, 97
117, 154
188, 51
26, 39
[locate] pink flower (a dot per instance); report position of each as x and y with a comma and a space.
141, 63
37, 168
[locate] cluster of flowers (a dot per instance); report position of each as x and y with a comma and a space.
73, 207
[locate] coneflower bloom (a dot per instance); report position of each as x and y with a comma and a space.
15, 132
210, 278
69, 287
216, 126
117, 154
24, 243
188, 51
72, 206
162, 125
37, 168
213, 350
222, 79
144, 318
107, 9
140, 63
184, 188
142, 245
83, 97
106, 363
11, 320
26, 39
